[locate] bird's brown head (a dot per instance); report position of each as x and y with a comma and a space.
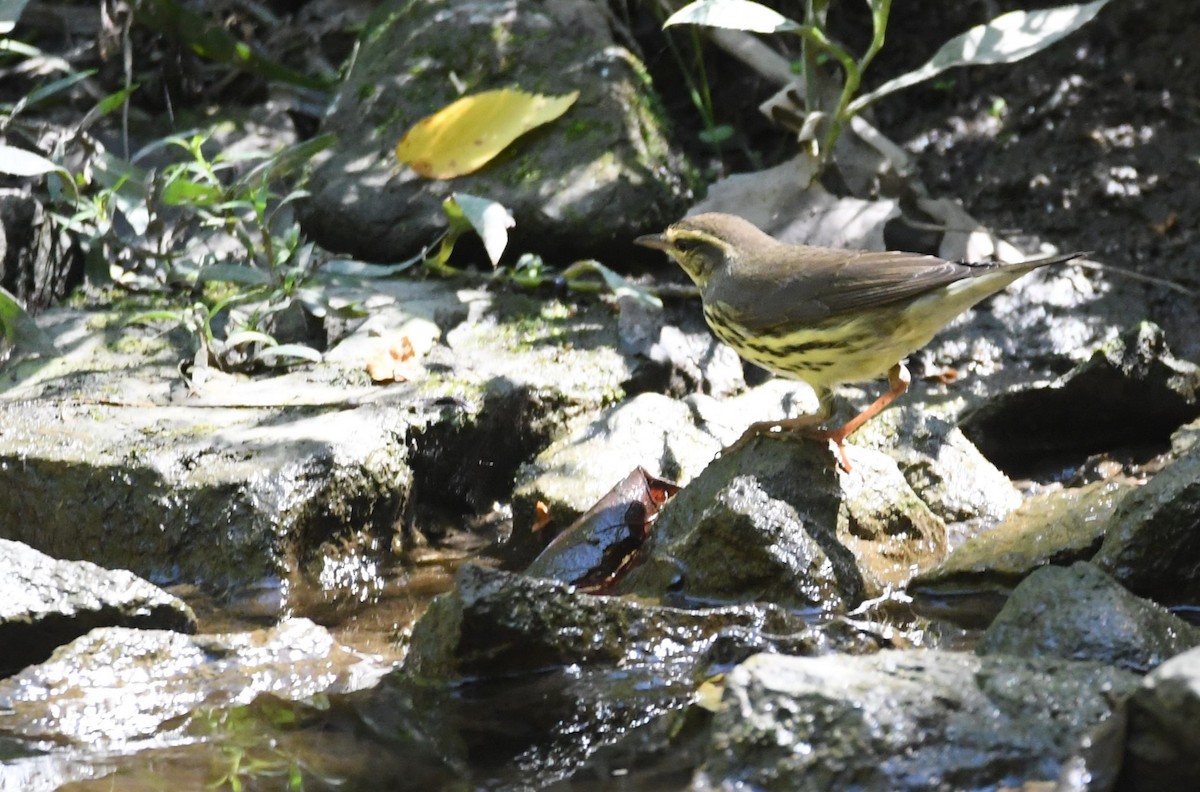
703, 243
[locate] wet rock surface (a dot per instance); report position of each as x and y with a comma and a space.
1056, 527
1080, 613
777, 522
1153, 539
45, 603
496, 623
117, 685
914, 720
1162, 747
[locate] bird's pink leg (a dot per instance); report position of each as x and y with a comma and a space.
898, 380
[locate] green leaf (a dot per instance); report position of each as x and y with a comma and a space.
50, 89
1006, 39
360, 269
19, 329
732, 15
299, 353
10, 12
19, 162
715, 135
112, 102
233, 273
286, 161
615, 283
183, 192
490, 220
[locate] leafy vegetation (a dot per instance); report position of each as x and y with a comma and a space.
208, 229
832, 101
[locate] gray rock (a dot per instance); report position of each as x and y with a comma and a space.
115, 685
1162, 749
1056, 527
1153, 539
509, 378
105, 454
727, 419
587, 183
1185, 437
903, 720
218, 494
1080, 613
777, 522
45, 603
496, 623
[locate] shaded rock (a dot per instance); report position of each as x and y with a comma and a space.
586, 183
1185, 438
509, 377
1132, 391
1153, 539
116, 685
1080, 613
525, 729
1058, 527
1162, 749
496, 623
777, 522
903, 720
45, 603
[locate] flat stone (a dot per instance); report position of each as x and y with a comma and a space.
107, 454
1056, 527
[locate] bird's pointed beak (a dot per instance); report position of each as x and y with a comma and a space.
656, 241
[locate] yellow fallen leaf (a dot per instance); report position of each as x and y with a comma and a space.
465, 135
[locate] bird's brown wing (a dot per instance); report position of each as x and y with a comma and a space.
831, 282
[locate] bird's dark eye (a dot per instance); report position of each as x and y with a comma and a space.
687, 244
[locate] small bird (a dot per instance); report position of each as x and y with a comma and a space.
825, 316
